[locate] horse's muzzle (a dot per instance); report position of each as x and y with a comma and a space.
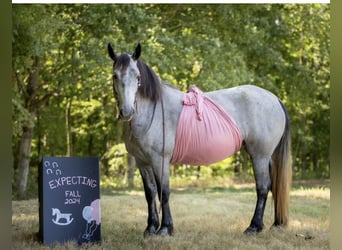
126, 114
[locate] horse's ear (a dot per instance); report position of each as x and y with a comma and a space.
137, 52
111, 53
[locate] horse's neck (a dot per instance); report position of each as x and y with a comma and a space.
142, 118
144, 109
148, 111
172, 102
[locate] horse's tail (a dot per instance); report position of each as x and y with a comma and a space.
281, 174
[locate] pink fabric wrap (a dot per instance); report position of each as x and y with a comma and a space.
206, 133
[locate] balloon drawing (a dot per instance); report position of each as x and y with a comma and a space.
92, 214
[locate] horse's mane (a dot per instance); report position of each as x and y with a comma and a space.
150, 83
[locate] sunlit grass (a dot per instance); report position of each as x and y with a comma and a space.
319, 193
204, 218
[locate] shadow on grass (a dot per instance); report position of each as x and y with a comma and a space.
212, 190
238, 188
307, 184
25, 236
181, 190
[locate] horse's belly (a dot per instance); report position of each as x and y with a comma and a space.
206, 133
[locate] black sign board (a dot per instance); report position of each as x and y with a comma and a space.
69, 200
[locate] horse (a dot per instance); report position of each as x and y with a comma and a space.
61, 216
150, 110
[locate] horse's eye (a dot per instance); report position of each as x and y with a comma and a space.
138, 79
115, 76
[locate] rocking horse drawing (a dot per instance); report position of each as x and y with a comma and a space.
61, 216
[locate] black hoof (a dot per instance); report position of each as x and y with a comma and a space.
149, 231
165, 231
253, 230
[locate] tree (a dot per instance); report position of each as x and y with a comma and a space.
62, 89
29, 44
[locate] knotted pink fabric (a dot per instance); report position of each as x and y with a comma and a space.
206, 133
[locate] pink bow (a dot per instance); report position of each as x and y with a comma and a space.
194, 97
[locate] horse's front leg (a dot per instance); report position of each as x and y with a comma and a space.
166, 228
150, 188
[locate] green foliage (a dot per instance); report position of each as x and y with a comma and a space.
114, 170
283, 48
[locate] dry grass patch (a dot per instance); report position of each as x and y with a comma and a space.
203, 218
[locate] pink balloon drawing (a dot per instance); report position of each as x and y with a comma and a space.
92, 214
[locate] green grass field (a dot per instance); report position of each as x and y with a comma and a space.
204, 218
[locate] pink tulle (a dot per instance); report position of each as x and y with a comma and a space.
206, 133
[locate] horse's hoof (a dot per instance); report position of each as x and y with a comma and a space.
278, 226
150, 231
165, 231
252, 230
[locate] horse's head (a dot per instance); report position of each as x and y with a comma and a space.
126, 80
55, 211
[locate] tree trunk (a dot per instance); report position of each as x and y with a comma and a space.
68, 128
245, 159
24, 159
130, 170
198, 172
26, 137
32, 104
241, 164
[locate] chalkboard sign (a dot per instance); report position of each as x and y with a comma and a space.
69, 200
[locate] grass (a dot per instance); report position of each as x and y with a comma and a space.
204, 218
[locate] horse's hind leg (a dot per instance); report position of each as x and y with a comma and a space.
150, 188
263, 185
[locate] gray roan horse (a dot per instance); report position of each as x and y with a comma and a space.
151, 109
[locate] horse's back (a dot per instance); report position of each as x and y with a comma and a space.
243, 95
256, 111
